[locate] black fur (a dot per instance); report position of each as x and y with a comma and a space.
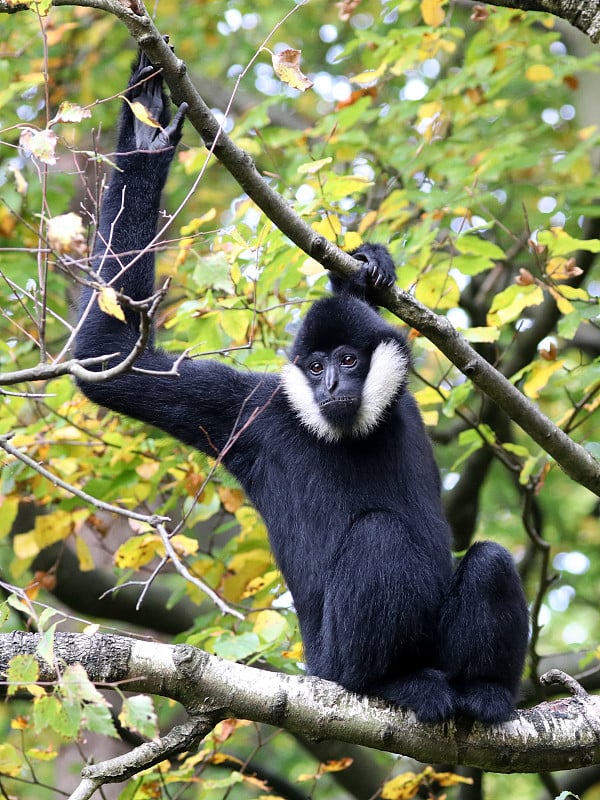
356, 524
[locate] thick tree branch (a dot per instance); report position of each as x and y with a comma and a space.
581, 14
564, 734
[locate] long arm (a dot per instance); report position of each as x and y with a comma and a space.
200, 402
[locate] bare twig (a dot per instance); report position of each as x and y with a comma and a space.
150, 519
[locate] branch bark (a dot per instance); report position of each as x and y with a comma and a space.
581, 14
563, 734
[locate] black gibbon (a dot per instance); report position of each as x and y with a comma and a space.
335, 458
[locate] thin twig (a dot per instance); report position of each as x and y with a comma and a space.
150, 519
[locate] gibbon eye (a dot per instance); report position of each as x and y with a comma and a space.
316, 368
348, 360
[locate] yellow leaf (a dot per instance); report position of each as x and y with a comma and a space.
8, 511
368, 219
286, 64
446, 778
138, 551
510, 302
537, 73
481, 334
147, 470
312, 167
108, 302
432, 12
184, 545
311, 267
49, 528
295, 653
141, 112
84, 555
430, 418
585, 133
336, 766
406, 786
330, 227
437, 289
564, 306
540, 373
270, 625
370, 75
193, 225
561, 269
352, 240
402, 787
242, 568
231, 499
42, 754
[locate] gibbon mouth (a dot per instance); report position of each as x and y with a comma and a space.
337, 400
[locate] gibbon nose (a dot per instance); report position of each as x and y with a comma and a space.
331, 377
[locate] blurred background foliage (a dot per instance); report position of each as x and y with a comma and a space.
464, 137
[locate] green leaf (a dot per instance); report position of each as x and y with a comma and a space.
235, 322
137, 714
98, 719
11, 761
214, 271
474, 245
22, 671
471, 264
509, 304
559, 243
76, 685
457, 397
237, 648
45, 647
223, 783
55, 713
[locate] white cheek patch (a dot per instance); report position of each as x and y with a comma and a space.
387, 373
300, 396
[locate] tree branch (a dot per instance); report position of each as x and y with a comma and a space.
581, 14
563, 734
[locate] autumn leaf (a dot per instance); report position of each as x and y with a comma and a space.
312, 167
432, 12
108, 302
286, 64
539, 375
336, 766
140, 112
39, 144
537, 73
66, 234
70, 112
561, 269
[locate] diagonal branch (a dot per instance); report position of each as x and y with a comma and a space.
573, 459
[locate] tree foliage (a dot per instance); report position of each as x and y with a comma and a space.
467, 140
